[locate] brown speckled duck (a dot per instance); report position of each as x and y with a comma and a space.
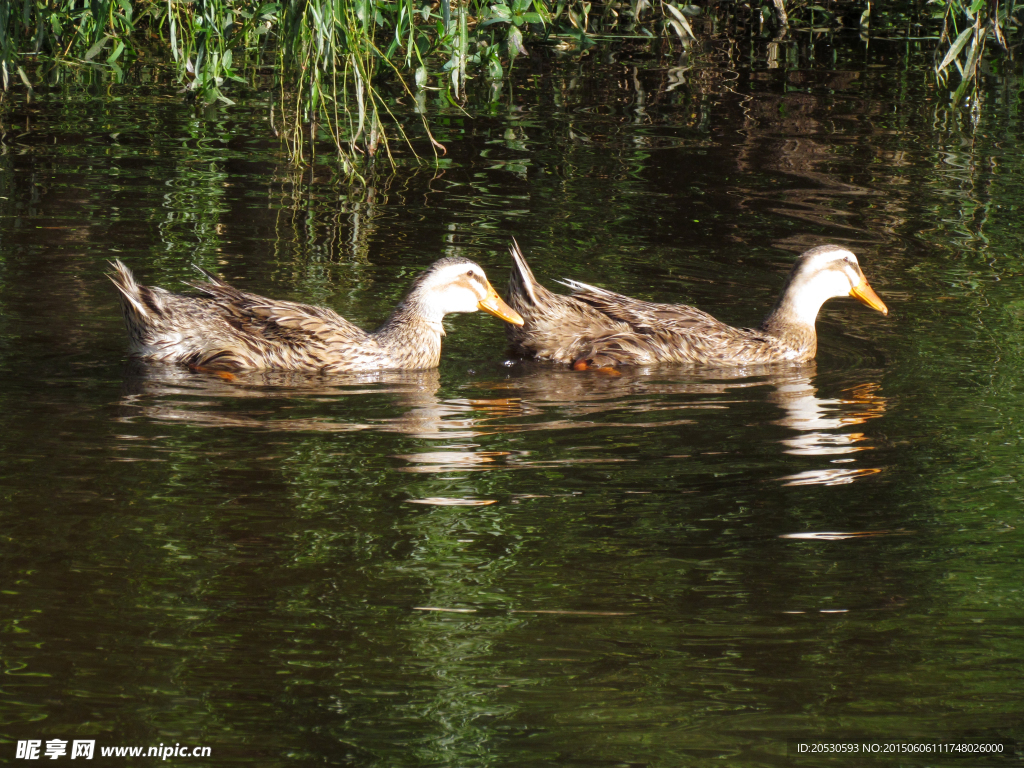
225, 329
595, 328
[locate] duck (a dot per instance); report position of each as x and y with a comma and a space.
227, 329
594, 328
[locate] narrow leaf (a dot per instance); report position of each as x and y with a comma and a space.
116, 52
24, 78
679, 17
955, 49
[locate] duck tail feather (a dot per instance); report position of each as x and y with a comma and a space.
211, 278
577, 287
131, 292
521, 281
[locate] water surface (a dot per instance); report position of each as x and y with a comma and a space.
499, 562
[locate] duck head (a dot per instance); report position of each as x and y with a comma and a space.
459, 285
822, 273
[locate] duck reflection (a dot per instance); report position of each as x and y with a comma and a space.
288, 401
639, 391
542, 398
533, 398
820, 424
820, 419
643, 391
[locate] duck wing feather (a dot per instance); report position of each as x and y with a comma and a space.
286, 334
666, 333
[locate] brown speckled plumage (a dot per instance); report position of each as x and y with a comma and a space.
227, 329
597, 328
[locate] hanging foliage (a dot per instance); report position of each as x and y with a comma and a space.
328, 60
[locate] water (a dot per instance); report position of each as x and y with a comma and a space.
502, 563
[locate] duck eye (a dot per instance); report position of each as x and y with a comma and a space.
471, 273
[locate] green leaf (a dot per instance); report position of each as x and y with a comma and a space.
515, 43
93, 52
269, 11
499, 13
116, 52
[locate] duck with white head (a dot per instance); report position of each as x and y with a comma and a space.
226, 329
596, 328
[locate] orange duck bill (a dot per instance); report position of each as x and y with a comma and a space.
494, 305
864, 293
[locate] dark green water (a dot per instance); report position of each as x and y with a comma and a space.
507, 564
